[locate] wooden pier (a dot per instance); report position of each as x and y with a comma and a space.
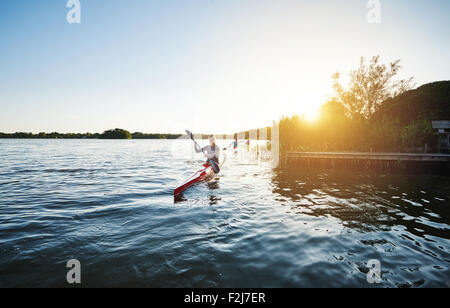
366, 160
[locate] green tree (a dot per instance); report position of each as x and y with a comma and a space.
370, 84
117, 133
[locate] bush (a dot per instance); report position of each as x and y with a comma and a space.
116, 134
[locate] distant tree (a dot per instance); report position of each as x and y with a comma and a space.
138, 135
370, 85
117, 133
110, 134
332, 110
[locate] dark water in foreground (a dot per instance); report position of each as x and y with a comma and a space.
109, 204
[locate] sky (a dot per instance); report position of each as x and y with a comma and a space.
210, 66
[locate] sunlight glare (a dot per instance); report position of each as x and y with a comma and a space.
311, 114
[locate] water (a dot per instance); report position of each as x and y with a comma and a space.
109, 204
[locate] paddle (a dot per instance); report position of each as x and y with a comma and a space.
191, 135
213, 164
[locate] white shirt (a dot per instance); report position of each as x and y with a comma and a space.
210, 153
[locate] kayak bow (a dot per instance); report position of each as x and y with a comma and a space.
195, 178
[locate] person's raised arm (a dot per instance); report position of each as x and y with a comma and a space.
197, 148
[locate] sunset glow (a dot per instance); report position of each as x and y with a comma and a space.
219, 66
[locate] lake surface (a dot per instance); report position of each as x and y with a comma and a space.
109, 204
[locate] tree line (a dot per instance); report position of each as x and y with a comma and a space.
116, 133
374, 112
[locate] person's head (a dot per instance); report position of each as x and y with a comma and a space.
212, 140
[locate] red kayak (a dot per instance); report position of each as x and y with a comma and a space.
198, 176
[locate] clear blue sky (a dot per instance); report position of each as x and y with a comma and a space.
208, 66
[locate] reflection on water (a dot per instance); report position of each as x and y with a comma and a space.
109, 204
213, 184
403, 217
367, 202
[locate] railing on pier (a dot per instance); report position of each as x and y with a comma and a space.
384, 160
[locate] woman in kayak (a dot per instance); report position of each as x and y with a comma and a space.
212, 153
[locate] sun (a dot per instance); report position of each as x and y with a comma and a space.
311, 114
309, 104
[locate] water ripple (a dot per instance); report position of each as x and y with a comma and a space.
110, 205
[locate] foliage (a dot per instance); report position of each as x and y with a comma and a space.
428, 102
402, 123
370, 85
110, 134
53, 135
139, 135
116, 133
